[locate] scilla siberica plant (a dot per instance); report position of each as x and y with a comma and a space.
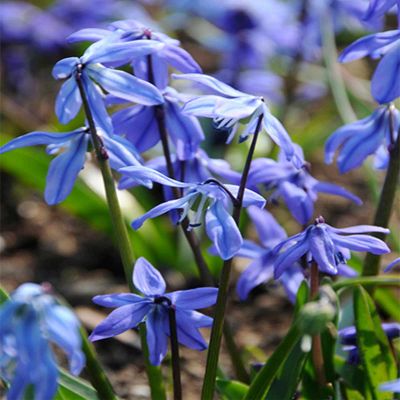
202, 191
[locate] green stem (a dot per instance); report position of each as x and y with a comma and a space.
386, 280
316, 350
120, 231
334, 75
219, 315
176, 370
97, 376
385, 204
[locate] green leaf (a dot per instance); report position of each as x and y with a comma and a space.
383, 280
3, 296
285, 385
263, 380
301, 297
352, 375
232, 390
376, 356
73, 388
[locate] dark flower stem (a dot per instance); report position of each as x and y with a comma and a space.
386, 201
176, 370
220, 308
120, 231
316, 349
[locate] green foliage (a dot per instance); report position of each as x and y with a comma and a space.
376, 356
231, 390
73, 388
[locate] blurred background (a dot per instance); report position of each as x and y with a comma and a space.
282, 50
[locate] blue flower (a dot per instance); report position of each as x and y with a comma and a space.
378, 8
358, 140
94, 75
31, 319
295, 185
153, 308
348, 338
210, 198
129, 31
393, 264
71, 148
139, 125
385, 85
328, 247
261, 269
229, 106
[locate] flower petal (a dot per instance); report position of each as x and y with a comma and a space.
120, 320
157, 325
187, 330
64, 169
326, 187
194, 299
223, 231
65, 67
68, 101
147, 279
88, 35
117, 299
361, 243
385, 85
125, 86
180, 59
323, 250
289, 256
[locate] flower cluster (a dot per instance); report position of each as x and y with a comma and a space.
31, 320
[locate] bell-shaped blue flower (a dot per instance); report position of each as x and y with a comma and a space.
70, 149
129, 31
30, 320
261, 269
360, 139
211, 199
95, 76
296, 186
385, 86
153, 308
327, 246
228, 106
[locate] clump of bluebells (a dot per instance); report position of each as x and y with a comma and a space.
132, 108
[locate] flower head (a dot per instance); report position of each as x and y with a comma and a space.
385, 86
70, 149
31, 319
298, 188
95, 76
328, 247
371, 135
228, 106
153, 308
212, 199
261, 269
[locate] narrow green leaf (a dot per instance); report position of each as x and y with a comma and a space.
388, 301
232, 390
73, 388
376, 356
382, 280
301, 297
263, 380
285, 385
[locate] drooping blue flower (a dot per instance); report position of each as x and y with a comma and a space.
229, 106
385, 85
378, 8
328, 247
261, 269
94, 75
153, 308
70, 149
139, 125
371, 135
128, 31
348, 338
211, 199
295, 185
30, 320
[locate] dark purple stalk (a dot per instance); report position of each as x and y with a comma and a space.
176, 370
